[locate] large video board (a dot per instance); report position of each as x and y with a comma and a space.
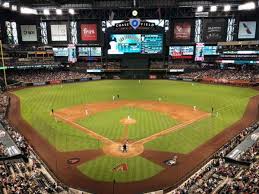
135, 43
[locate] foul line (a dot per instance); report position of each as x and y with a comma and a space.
141, 141
89, 132
169, 130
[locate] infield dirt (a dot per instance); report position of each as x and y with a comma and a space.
185, 114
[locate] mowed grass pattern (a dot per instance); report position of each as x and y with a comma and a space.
108, 123
138, 169
180, 140
230, 102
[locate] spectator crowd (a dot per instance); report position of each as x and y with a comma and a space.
223, 177
33, 76
228, 75
24, 175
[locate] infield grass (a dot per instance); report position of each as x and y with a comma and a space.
108, 124
138, 169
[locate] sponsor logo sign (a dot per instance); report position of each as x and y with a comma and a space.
89, 32
29, 33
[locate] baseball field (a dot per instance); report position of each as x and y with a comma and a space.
156, 116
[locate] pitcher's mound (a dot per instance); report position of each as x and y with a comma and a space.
128, 121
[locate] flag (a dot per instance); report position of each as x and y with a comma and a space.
121, 167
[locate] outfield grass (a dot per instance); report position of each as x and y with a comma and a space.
108, 124
138, 169
36, 104
194, 135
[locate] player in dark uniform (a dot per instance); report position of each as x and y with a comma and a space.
124, 148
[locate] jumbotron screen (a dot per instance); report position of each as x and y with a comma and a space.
135, 43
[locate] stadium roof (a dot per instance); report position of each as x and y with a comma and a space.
119, 3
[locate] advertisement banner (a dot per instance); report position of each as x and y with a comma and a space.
94, 70
84, 79
39, 83
214, 30
97, 78
72, 53
29, 33
176, 70
182, 31
173, 78
68, 81
199, 54
58, 32
181, 52
88, 32
152, 77
55, 82
188, 79
247, 30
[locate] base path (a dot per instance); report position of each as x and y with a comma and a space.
168, 178
183, 113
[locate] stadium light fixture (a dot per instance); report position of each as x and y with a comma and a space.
14, 7
227, 7
46, 12
247, 6
59, 12
71, 11
26, 10
6, 5
200, 9
213, 8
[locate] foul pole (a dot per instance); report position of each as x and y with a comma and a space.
2, 57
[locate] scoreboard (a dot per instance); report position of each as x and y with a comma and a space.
135, 43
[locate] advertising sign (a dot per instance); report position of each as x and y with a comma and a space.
89, 32
181, 50
72, 53
58, 32
214, 30
210, 50
89, 51
199, 54
29, 33
247, 30
182, 31
60, 52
